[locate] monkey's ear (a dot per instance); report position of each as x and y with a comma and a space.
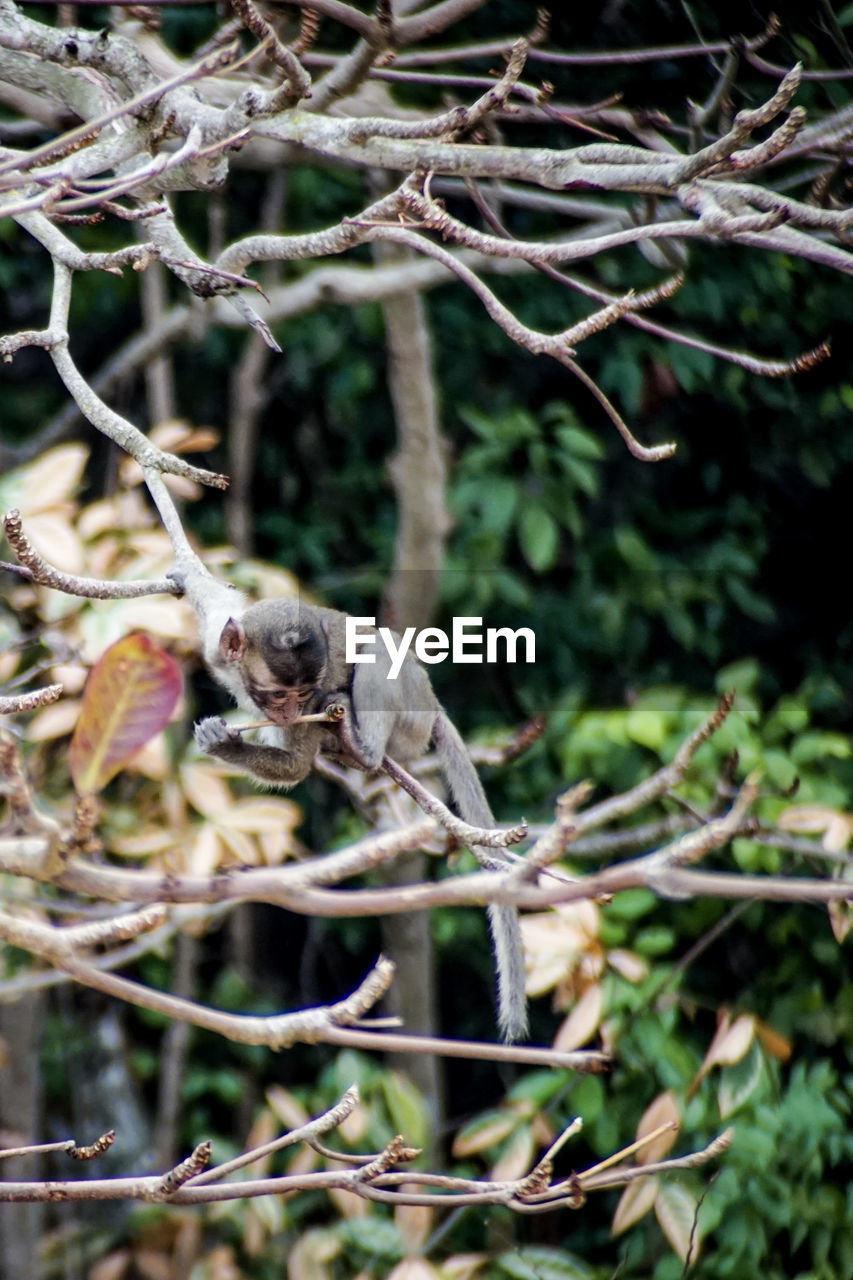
232, 641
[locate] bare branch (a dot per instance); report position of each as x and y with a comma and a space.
14, 703
39, 571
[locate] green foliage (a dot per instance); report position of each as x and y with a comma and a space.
521, 488
542, 1264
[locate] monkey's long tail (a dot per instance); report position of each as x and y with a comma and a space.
473, 806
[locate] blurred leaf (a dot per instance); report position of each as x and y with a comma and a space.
54, 721
532, 1263
286, 1106
539, 537
841, 912
414, 1269
636, 553
740, 676
583, 1021
777, 1045
516, 1158
54, 537
463, 1266
676, 1208
739, 1082
663, 1110
406, 1105
376, 1237
414, 1222
634, 1203
483, 1132
647, 727
816, 745
205, 788
130, 695
312, 1255
52, 479
581, 443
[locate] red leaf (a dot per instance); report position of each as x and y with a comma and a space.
130, 695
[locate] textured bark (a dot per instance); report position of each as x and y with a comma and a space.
20, 1123
418, 475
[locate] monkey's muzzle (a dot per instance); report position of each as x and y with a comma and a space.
286, 707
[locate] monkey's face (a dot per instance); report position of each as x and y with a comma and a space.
283, 704
283, 671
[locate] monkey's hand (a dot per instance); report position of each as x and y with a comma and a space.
215, 738
277, 766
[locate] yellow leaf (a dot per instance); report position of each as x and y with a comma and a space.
414, 1269
286, 1106
53, 536
262, 1131
97, 518
144, 843
463, 1266
634, 1203
840, 920
808, 819
734, 1044
777, 1045
303, 1160
205, 789
836, 837
271, 581
10, 661
242, 848
354, 1128
628, 965
583, 1021
153, 760
663, 1110
517, 1158
483, 1133
348, 1204
543, 972
71, 675
54, 721
163, 618
205, 853
414, 1222
264, 815
51, 479
275, 846
313, 1255
557, 943
730, 1043
115, 1266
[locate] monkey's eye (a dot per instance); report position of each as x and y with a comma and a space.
280, 697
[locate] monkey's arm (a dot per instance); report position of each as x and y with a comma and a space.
279, 766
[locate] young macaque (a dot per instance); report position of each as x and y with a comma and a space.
286, 658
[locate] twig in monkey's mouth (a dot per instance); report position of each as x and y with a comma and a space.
333, 713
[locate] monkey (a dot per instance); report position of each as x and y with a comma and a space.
287, 658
